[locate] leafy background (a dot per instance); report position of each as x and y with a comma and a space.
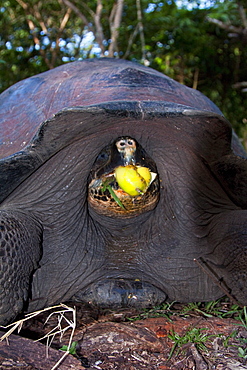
199, 43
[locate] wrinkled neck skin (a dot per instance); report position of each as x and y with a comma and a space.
122, 232
130, 247
122, 236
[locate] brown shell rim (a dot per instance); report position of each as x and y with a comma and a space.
16, 168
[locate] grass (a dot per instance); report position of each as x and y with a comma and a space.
164, 310
71, 349
242, 351
194, 336
242, 317
221, 308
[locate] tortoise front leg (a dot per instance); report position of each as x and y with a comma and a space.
20, 251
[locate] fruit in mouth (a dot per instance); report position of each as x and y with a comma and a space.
134, 180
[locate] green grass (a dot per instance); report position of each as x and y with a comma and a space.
72, 349
221, 308
242, 317
194, 335
164, 310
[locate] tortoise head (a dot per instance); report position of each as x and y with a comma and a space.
123, 181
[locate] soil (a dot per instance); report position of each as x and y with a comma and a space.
179, 337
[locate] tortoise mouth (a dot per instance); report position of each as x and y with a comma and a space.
117, 202
116, 293
123, 182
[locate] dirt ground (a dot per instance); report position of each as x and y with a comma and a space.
175, 337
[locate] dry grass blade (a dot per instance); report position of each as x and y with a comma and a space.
58, 329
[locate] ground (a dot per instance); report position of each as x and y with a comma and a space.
197, 336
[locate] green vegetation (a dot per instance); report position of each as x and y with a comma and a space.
71, 349
106, 186
220, 308
242, 316
242, 351
194, 335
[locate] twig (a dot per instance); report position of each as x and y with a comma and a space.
99, 34
212, 274
131, 40
225, 26
141, 29
115, 27
200, 363
71, 324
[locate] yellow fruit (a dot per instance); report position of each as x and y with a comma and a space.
133, 180
145, 174
130, 180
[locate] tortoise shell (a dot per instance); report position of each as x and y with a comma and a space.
56, 129
37, 114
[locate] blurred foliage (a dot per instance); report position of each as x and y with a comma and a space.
202, 47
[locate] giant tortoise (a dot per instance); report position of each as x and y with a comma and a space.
119, 187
